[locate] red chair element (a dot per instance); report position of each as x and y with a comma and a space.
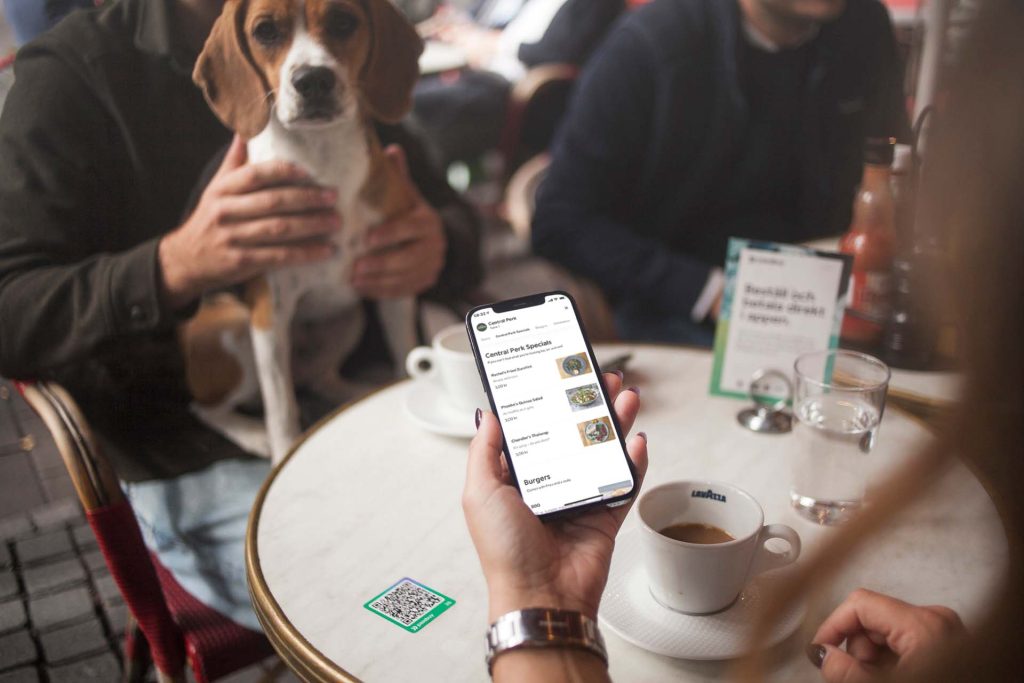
168, 626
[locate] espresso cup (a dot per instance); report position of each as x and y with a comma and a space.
449, 362
701, 578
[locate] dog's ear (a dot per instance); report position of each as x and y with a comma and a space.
392, 66
233, 85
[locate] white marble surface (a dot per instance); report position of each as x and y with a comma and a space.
370, 499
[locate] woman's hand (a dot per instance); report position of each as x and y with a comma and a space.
883, 635
527, 563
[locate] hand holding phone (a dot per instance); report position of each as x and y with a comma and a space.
529, 562
564, 448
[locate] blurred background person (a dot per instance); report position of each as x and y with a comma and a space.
699, 120
29, 18
463, 111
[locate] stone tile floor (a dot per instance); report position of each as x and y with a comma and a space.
61, 615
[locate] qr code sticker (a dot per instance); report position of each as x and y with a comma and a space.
409, 604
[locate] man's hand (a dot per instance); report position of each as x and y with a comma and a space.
883, 635
251, 218
406, 254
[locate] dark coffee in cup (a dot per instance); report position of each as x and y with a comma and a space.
723, 538
695, 532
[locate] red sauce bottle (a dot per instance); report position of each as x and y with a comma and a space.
871, 241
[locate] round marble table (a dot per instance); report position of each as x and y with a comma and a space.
368, 498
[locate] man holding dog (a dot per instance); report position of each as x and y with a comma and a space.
698, 120
102, 139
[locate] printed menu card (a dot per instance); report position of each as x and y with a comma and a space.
780, 301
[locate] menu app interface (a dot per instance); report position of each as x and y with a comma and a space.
556, 419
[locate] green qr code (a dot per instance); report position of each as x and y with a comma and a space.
409, 604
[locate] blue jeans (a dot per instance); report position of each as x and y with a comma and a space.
196, 525
29, 18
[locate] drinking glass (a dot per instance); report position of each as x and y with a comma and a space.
838, 401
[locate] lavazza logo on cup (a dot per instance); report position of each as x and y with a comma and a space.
706, 575
708, 494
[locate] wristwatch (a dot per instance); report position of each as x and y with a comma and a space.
539, 627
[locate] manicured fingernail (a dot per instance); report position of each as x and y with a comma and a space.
479, 414
621, 376
642, 435
635, 390
816, 653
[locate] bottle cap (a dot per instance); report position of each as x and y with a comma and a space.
879, 151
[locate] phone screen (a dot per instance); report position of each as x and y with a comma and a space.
562, 440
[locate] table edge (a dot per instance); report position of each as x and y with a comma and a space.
296, 651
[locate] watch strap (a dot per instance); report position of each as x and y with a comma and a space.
540, 627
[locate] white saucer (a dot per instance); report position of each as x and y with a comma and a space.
429, 408
629, 610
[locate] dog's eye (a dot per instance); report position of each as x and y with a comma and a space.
266, 32
341, 24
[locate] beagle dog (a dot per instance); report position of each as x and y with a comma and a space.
303, 81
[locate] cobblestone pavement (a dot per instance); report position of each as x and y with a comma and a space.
61, 615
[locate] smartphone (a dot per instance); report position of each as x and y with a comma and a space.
563, 444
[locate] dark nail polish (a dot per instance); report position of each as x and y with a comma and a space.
816, 653
643, 435
479, 414
635, 390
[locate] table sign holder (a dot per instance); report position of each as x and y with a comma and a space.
779, 301
768, 415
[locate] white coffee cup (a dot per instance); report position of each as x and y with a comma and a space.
697, 578
449, 362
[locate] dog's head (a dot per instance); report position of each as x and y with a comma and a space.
310, 63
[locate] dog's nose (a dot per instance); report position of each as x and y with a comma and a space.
313, 82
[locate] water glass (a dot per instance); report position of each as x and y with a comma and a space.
838, 402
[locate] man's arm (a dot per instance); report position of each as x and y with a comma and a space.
597, 162
78, 268
56, 277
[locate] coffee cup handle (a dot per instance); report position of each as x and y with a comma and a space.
765, 559
420, 362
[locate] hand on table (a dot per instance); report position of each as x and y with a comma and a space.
446, 18
251, 218
562, 564
407, 253
883, 635
453, 27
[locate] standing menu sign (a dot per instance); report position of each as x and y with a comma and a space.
780, 301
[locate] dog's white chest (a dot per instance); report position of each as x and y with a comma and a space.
338, 158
